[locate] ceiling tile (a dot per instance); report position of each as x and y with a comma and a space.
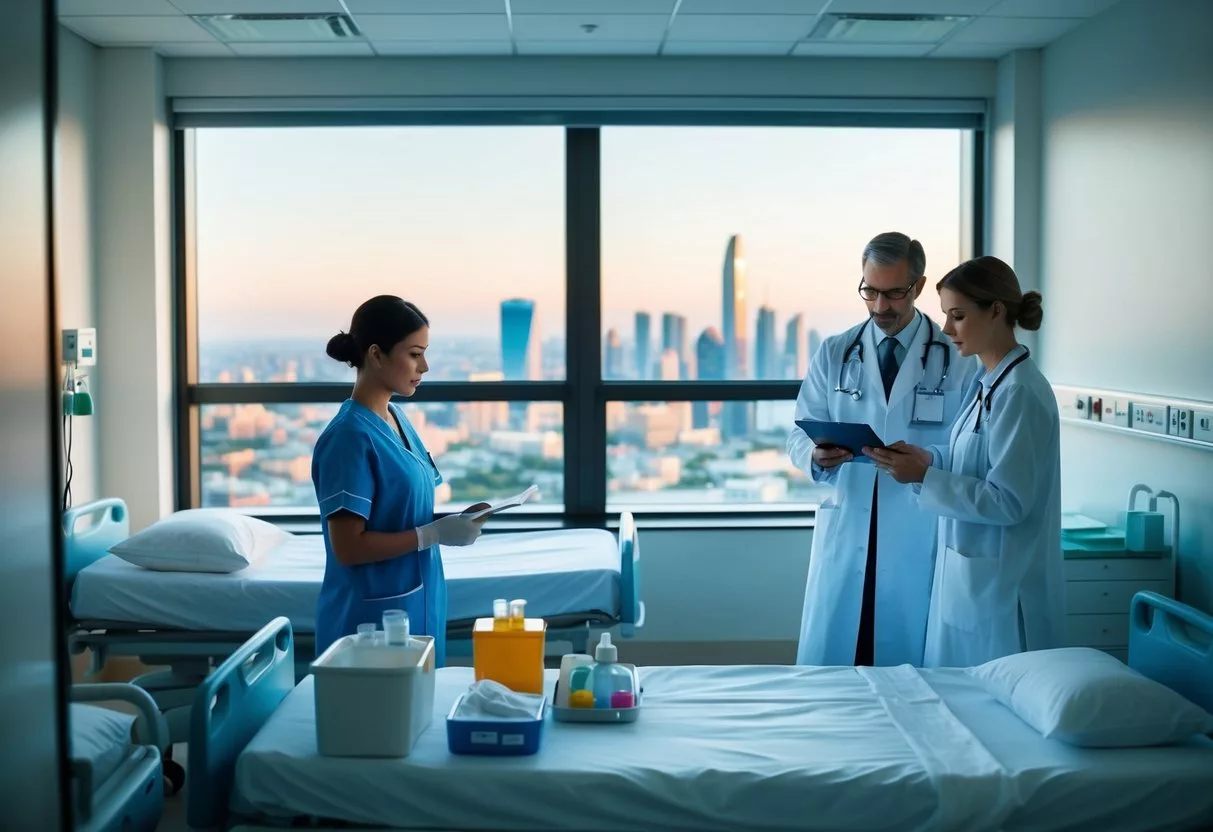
723, 27
592, 7
588, 47
115, 31
426, 6
120, 8
1025, 31
725, 48
309, 50
863, 50
439, 47
692, 7
1051, 8
441, 27
193, 50
258, 6
973, 50
609, 27
960, 7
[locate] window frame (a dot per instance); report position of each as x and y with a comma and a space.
583, 394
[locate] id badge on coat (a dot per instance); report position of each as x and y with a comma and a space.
928, 407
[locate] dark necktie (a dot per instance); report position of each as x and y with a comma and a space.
888, 364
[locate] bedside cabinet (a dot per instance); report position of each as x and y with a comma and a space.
1099, 589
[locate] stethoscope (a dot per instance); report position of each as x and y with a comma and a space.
855, 348
985, 397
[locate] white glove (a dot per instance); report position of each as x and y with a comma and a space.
452, 530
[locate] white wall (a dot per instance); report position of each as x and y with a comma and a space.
1127, 208
577, 77
75, 235
135, 314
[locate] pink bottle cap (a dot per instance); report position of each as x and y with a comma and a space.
623, 699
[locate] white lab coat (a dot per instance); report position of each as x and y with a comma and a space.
905, 533
999, 585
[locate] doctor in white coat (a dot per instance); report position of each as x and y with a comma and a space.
869, 580
999, 585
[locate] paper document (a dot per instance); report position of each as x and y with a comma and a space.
509, 502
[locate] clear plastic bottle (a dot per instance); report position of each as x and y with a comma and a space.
611, 684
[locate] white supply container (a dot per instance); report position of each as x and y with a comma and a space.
373, 700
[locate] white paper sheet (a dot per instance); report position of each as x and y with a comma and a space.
508, 502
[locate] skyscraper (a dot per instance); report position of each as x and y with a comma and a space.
644, 345
766, 361
814, 343
674, 337
709, 357
613, 356
734, 321
519, 341
795, 362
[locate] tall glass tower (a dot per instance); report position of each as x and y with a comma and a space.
735, 341
644, 345
766, 363
519, 341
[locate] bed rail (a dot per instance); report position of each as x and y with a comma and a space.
631, 608
229, 708
85, 545
1172, 643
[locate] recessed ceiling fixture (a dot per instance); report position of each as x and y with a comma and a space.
282, 28
884, 28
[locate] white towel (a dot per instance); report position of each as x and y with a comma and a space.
487, 698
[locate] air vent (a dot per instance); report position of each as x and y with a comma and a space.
279, 28
884, 28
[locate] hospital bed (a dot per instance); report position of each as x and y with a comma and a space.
114, 759
188, 622
755, 748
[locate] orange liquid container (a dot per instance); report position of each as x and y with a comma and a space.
509, 655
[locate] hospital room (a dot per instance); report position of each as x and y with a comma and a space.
606, 415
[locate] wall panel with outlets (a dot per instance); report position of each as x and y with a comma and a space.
1181, 421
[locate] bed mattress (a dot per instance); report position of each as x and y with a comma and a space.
560, 573
99, 739
756, 748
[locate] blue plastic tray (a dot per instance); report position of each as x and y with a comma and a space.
499, 737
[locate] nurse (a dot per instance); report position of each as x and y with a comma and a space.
375, 485
999, 585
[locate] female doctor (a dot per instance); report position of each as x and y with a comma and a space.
998, 587
375, 485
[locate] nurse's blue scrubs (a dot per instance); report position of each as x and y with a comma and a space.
361, 465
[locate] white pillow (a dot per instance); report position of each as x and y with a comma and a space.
201, 540
1084, 697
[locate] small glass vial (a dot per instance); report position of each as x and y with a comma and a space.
517, 614
396, 628
366, 634
501, 614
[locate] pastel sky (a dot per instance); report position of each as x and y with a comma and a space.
296, 227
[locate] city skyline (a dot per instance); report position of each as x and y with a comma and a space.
456, 219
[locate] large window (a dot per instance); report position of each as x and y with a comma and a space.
620, 315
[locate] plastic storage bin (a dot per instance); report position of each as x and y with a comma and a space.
373, 700
499, 737
570, 714
513, 657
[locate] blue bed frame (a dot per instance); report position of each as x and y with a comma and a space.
1169, 642
190, 655
132, 797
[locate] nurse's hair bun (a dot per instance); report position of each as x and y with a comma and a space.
343, 347
1030, 312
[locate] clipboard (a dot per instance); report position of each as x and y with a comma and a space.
852, 436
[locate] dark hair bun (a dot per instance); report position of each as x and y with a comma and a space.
1030, 311
342, 347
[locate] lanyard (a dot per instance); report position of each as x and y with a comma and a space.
989, 394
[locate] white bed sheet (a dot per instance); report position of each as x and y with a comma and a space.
744, 748
99, 738
564, 572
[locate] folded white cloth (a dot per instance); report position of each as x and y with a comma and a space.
487, 698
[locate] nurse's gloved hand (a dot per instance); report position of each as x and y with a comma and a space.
452, 530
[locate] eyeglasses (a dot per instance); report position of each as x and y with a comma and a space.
871, 293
